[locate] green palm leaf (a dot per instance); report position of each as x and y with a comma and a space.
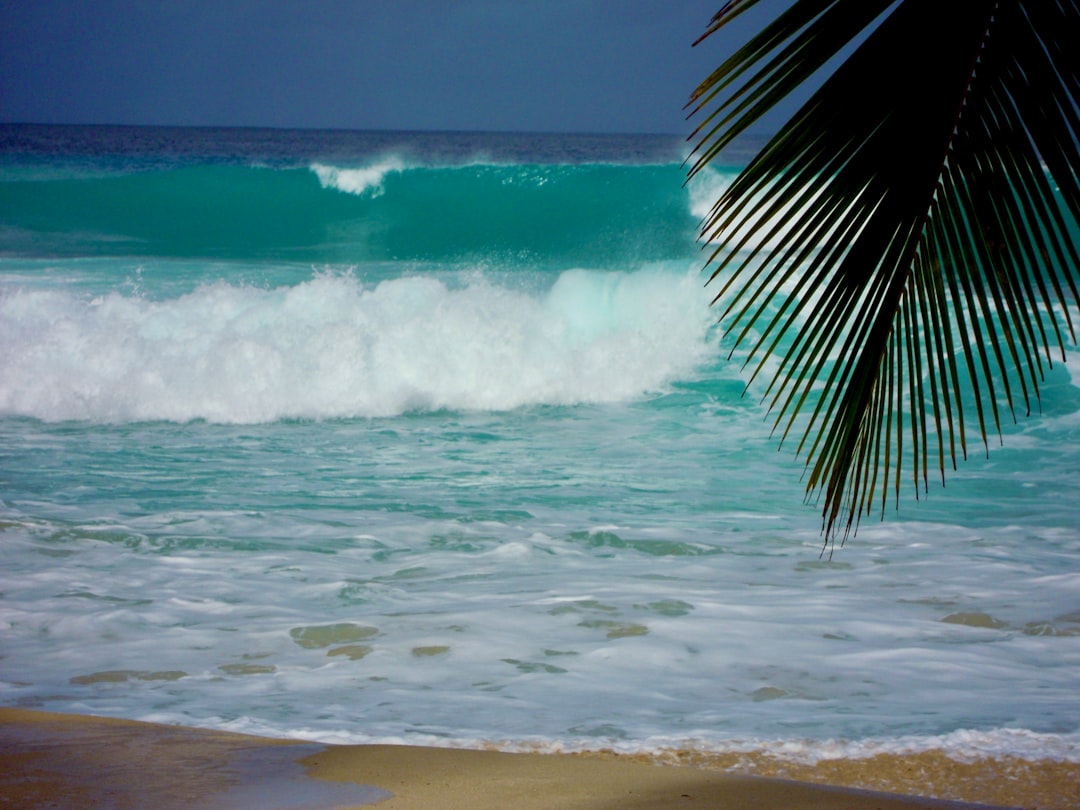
922, 213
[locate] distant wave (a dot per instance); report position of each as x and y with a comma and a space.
360, 180
597, 214
708, 186
331, 348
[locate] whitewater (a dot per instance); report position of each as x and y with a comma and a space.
434, 438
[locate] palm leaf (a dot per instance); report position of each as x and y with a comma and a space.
924, 205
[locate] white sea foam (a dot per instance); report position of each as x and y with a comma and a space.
709, 186
364, 180
760, 648
961, 746
330, 348
706, 188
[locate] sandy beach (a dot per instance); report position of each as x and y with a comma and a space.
70, 761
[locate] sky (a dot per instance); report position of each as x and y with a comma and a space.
496, 65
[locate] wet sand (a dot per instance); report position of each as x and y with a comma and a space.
71, 761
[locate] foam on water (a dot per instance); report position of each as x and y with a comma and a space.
403, 614
330, 347
360, 180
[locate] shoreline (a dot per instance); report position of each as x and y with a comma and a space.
81, 761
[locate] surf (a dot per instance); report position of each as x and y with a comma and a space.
334, 346
389, 205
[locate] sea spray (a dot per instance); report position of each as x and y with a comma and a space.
332, 347
368, 180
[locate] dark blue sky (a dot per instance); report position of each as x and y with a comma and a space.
516, 65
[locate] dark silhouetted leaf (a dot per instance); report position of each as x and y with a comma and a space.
920, 212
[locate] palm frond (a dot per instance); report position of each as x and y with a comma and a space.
924, 205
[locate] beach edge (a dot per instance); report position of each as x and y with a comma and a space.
76, 761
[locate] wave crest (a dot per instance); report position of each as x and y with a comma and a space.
357, 181
331, 348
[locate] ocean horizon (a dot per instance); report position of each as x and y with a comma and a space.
434, 438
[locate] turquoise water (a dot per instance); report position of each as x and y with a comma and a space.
433, 437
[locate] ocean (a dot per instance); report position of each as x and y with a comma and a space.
434, 438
